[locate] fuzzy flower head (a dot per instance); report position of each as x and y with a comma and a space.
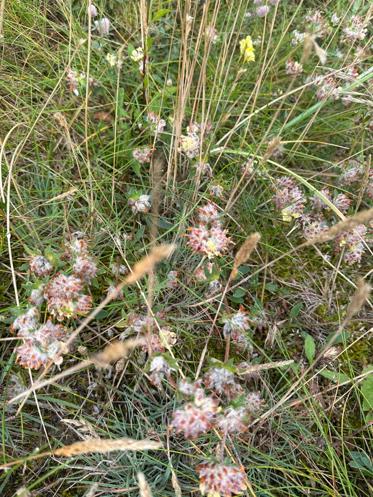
137, 54
26, 323
288, 198
355, 30
43, 345
262, 10
139, 203
212, 242
233, 420
40, 266
238, 321
157, 123
143, 155
92, 10
103, 26
247, 49
65, 297
196, 418
190, 145
353, 243
222, 382
85, 268
219, 480
208, 213
293, 68
159, 369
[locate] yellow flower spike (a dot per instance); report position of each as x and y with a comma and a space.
247, 49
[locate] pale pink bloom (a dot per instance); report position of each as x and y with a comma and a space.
40, 266
140, 204
92, 10
222, 382
85, 268
103, 26
219, 480
143, 155
342, 202
195, 420
293, 68
262, 10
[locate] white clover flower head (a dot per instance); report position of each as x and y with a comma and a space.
27, 323
103, 26
216, 190
140, 203
262, 10
36, 297
254, 402
293, 68
40, 266
190, 145
237, 322
92, 10
137, 54
158, 124
143, 155
233, 420
222, 382
85, 268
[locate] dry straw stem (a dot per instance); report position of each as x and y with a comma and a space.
362, 217
256, 368
115, 351
147, 264
103, 446
358, 299
143, 486
245, 252
92, 446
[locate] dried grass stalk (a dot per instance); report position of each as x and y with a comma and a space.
143, 486
157, 254
273, 146
358, 299
115, 351
256, 368
244, 252
362, 217
103, 446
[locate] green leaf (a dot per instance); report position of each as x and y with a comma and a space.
366, 389
334, 376
361, 461
309, 347
295, 310
160, 13
239, 292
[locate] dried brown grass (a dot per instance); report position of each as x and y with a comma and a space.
244, 252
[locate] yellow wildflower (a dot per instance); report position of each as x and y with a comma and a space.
247, 49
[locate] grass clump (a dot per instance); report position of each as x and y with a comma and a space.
186, 196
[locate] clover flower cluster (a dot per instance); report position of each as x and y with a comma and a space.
208, 237
288, 198
353, 243
235, 327
221, 480
191, 143
139, 203
63, 295
216, 401
143, 155
355, 29
319, 215
157, 124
